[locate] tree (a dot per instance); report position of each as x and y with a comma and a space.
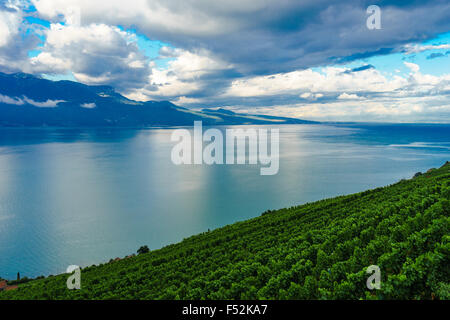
143, 249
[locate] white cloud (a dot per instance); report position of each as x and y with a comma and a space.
408, 109
417, 97
412, 66
95, 54
88, 105
329, 94
14, 43
410, 49
183, 100
346, 96
188, 73
24, 100
311, 96
9, 100
46, 62
9, 26
45, 104
193, 65
332, 80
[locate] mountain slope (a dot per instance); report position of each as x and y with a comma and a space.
26, 100
319, 250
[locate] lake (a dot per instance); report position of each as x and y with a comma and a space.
84, 196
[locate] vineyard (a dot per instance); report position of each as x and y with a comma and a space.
318, 250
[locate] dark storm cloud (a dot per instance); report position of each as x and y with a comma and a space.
263, 37
290, 35
286, 36
435, 55
362, 68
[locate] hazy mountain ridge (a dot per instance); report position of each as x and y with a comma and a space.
26, 100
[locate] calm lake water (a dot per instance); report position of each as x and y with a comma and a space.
83, 196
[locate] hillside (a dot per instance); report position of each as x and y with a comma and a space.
318, 250
26, 100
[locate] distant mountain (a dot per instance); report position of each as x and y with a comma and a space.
26, 100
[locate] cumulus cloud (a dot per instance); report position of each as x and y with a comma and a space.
311, 96
95, 54
395, 109
196, 73
331, 80
14, 44
265, 37
183, 100
413, 97
238, 53
412, 66
9, 25
346, 96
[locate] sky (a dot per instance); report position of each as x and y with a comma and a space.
313, 60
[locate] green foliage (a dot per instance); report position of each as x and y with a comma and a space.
319, 250
143, 249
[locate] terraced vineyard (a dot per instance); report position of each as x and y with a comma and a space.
319, 250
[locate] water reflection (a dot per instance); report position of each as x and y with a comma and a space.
75, 196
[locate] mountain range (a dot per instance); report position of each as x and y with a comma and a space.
27, 100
